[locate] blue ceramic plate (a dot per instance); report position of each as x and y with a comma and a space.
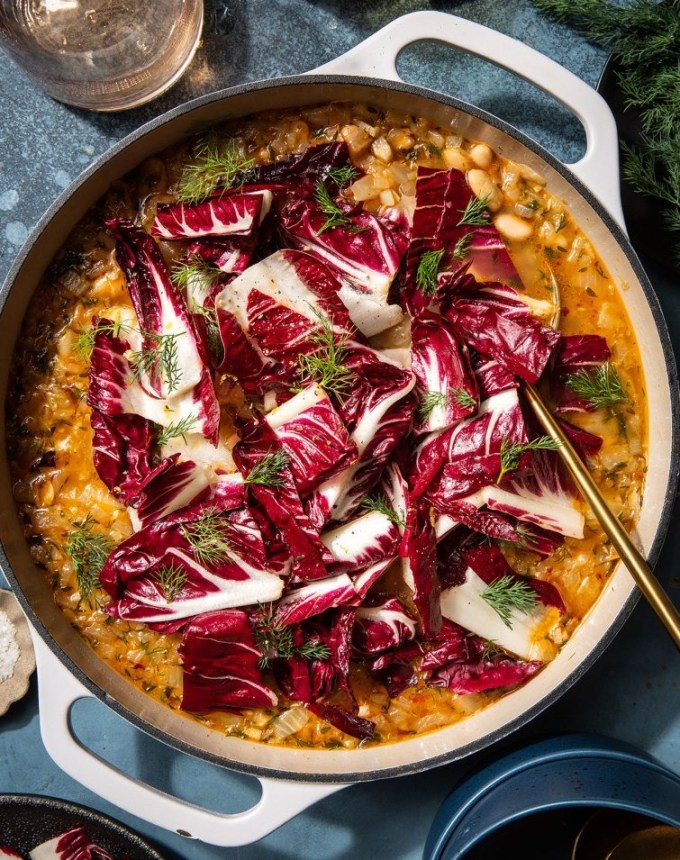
561, 781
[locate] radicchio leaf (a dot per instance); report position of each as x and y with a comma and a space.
238, 575
221, 664
445, 386
367, 252
314, 438
492, 319
234, 213
122, 451
383, 625
161, 313
348, 723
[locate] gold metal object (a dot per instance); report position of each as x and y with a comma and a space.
628, 552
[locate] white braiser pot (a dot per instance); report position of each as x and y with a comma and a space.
293, 779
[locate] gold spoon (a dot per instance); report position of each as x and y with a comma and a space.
604, 830
632, 558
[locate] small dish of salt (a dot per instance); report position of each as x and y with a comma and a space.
17, 660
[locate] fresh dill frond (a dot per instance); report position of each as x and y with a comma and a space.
325, 365
176, 429
462, 247
161, 357
276, 640
507, 593
88, 550
428, 271
439, 400
195, 271
342, 175
644, 39
335, 217
512, 452
171, 579
490, 650
215, 164
430, 401
84, 343
380, 503
267, 471
601, 387
475, 213
207, 538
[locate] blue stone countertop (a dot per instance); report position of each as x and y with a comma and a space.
632, 691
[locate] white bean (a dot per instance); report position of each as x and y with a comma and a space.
455, 158
513, 228
481, 154
483, 186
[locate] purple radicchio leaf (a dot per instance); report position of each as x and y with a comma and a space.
382, 625
235, 213
172, 485
418, 553
281, 502
158, 575
121, 451
349, 723
366, 251
584, 352
275, 311
313, 436
362, 542
303, 602
221, 664
446, 386
72, 844
492, 319
230, 255
499, 419
380, 413
182, 385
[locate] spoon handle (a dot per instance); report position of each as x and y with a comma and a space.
635, 563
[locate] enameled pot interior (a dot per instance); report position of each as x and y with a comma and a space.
605, 618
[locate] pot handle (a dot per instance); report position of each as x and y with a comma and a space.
599, 167
59, 690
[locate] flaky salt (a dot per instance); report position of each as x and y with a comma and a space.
9, 648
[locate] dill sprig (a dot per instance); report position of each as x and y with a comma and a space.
475, 214
601, 387
462, 247
342, 175
215, 164
335, 217
508, 593
512, 452
644, 39
84, 343
276, 640
267, 471
432, 400
176, 429
207, 538
162, 356
171, 579
380, 503
428, 271
195, 272
325, 365
88, 551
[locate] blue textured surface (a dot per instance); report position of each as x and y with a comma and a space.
631, 693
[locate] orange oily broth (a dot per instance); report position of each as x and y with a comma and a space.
47, 410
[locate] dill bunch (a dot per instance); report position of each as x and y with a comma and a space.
644, 39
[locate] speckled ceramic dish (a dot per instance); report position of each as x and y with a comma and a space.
13, 688
27, 820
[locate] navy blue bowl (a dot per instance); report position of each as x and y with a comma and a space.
559, 781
